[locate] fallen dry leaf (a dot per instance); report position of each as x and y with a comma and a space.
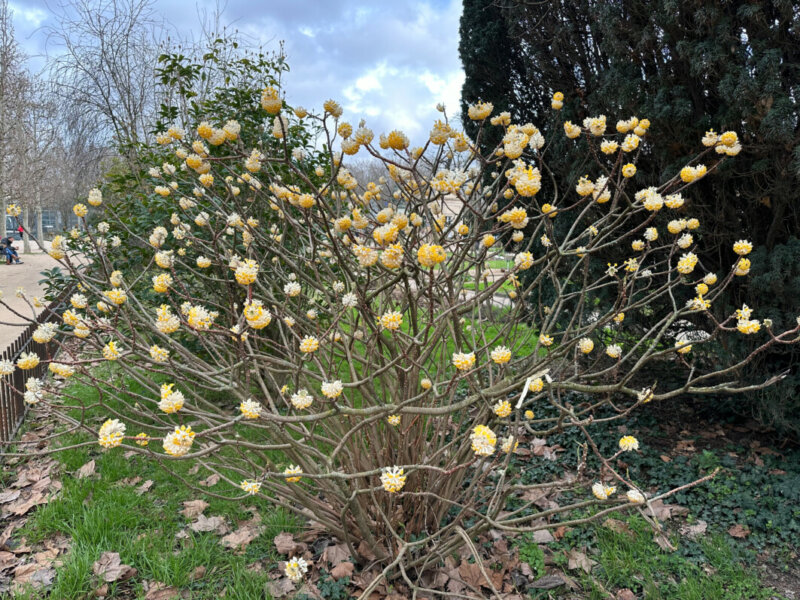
548, 582
86, 470
102, 591
31, 475
343, 569
204, 523
144, 487
45, 556
663, 542
110, 569
22, 506
9, 496
286, 544
662, 511
192, 508
21, 548
242, 536
7, 560
471, 574
212, 479
618, 526
43, 577
281, 587
454, 585
694, 530
543, 536
739, 531
335, 553
578, 560
198, 573
35, 574
625, 594
160, 591
365, 551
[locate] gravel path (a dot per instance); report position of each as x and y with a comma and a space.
27, 276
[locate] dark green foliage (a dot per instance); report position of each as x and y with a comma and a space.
688, 66
491, 59
332, 589
531, 553
774, 290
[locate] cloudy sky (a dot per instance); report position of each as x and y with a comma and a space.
387, 61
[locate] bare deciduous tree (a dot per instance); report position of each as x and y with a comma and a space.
107, 50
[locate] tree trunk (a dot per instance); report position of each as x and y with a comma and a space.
26, 239
39, 230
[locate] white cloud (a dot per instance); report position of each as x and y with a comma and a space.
387, 62
27, 16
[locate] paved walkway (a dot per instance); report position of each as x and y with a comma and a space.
27, 276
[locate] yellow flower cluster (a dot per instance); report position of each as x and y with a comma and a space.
159, 354
256, 315
166, 322
250, 487
250, 409
111, 433
687, 263
110, 351
161, 283
199, 318
602, 492
501, 355
463, 361
171, 400
296, 568
119, 297
690, 174
516, 217
292, 471
479, 111
61, 369
743, 247
302, 399
430, 255
309, 344
179, 441
45, 333
246, 272
483, 440
393, 479
391, 320
502, 408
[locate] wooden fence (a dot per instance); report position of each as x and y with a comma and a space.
12, 387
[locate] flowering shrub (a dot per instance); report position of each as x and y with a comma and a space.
351, 350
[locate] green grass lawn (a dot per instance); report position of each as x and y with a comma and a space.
505, 288
104, 513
